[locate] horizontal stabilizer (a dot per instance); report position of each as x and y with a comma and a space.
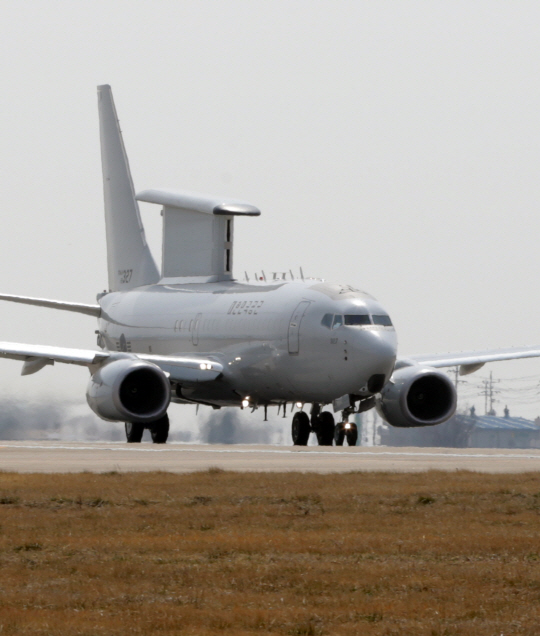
194, 202
81, 308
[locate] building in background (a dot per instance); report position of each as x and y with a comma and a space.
468, 431
490, 431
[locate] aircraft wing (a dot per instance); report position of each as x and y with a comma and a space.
180, 369
470, 361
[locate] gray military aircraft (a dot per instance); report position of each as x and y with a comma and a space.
194, 334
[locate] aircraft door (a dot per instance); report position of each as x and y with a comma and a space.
195, 332
294, 326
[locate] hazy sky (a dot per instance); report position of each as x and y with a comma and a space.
391, 145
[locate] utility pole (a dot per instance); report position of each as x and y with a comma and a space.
455, 373
489, 394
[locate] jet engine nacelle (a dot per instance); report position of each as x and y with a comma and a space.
417, 396
129, 390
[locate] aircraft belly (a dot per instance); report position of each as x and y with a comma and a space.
318, 380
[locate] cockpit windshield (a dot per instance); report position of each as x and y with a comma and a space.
331, 321
327, 320
357, 319
383, 320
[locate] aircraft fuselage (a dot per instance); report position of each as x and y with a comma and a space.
269, 337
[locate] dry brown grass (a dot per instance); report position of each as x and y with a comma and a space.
230, 553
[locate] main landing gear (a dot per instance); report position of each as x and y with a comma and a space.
323, 425
301, 428
159, 430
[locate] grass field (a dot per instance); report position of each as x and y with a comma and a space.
230, 553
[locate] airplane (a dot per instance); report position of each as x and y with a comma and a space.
193, 334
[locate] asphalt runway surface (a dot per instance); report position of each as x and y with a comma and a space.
67, 457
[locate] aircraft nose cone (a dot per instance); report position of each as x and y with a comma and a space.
375, 355
383, 349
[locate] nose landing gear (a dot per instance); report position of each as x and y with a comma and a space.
346, 430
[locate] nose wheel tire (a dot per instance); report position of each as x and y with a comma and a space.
134, 432
341, 434
352, 435
300, 429
160, 430
325, 428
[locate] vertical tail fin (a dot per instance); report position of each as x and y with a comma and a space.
130, 263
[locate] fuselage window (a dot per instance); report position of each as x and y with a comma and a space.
357, 319
327, 320
382, 320
338, 321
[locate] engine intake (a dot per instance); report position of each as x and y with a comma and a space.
417, 396
129, 390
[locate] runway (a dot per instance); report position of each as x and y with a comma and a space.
67, 457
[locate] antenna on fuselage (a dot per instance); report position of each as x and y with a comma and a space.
301, 274
247, 277
292, 275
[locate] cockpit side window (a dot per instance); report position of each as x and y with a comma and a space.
338, 321
383, 320
327, 320
357, 319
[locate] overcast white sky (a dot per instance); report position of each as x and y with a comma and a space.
391, 145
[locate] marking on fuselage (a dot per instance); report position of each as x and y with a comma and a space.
243, 307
